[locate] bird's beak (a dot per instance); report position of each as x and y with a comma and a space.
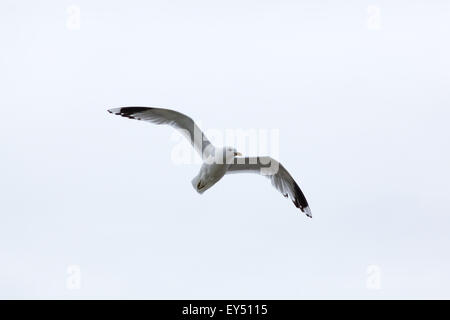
237, 154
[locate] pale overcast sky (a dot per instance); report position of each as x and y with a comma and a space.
93, 206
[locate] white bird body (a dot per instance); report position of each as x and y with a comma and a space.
214, 168
217, 162
208, 176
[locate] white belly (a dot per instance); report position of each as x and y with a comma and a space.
209, 174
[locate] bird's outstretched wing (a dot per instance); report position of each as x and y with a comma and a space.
279, 176
173, 118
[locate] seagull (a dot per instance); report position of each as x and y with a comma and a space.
217, 162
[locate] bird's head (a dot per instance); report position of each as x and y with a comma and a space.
230, 153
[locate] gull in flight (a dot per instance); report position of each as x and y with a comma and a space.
219, 161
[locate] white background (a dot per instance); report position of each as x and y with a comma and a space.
361, 101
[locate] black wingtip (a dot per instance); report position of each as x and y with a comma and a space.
307, 211
300, 201
115, 111
129, 112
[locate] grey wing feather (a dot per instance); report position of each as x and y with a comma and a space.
173, 118
279, 176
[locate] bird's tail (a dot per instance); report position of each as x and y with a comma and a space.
198, 184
